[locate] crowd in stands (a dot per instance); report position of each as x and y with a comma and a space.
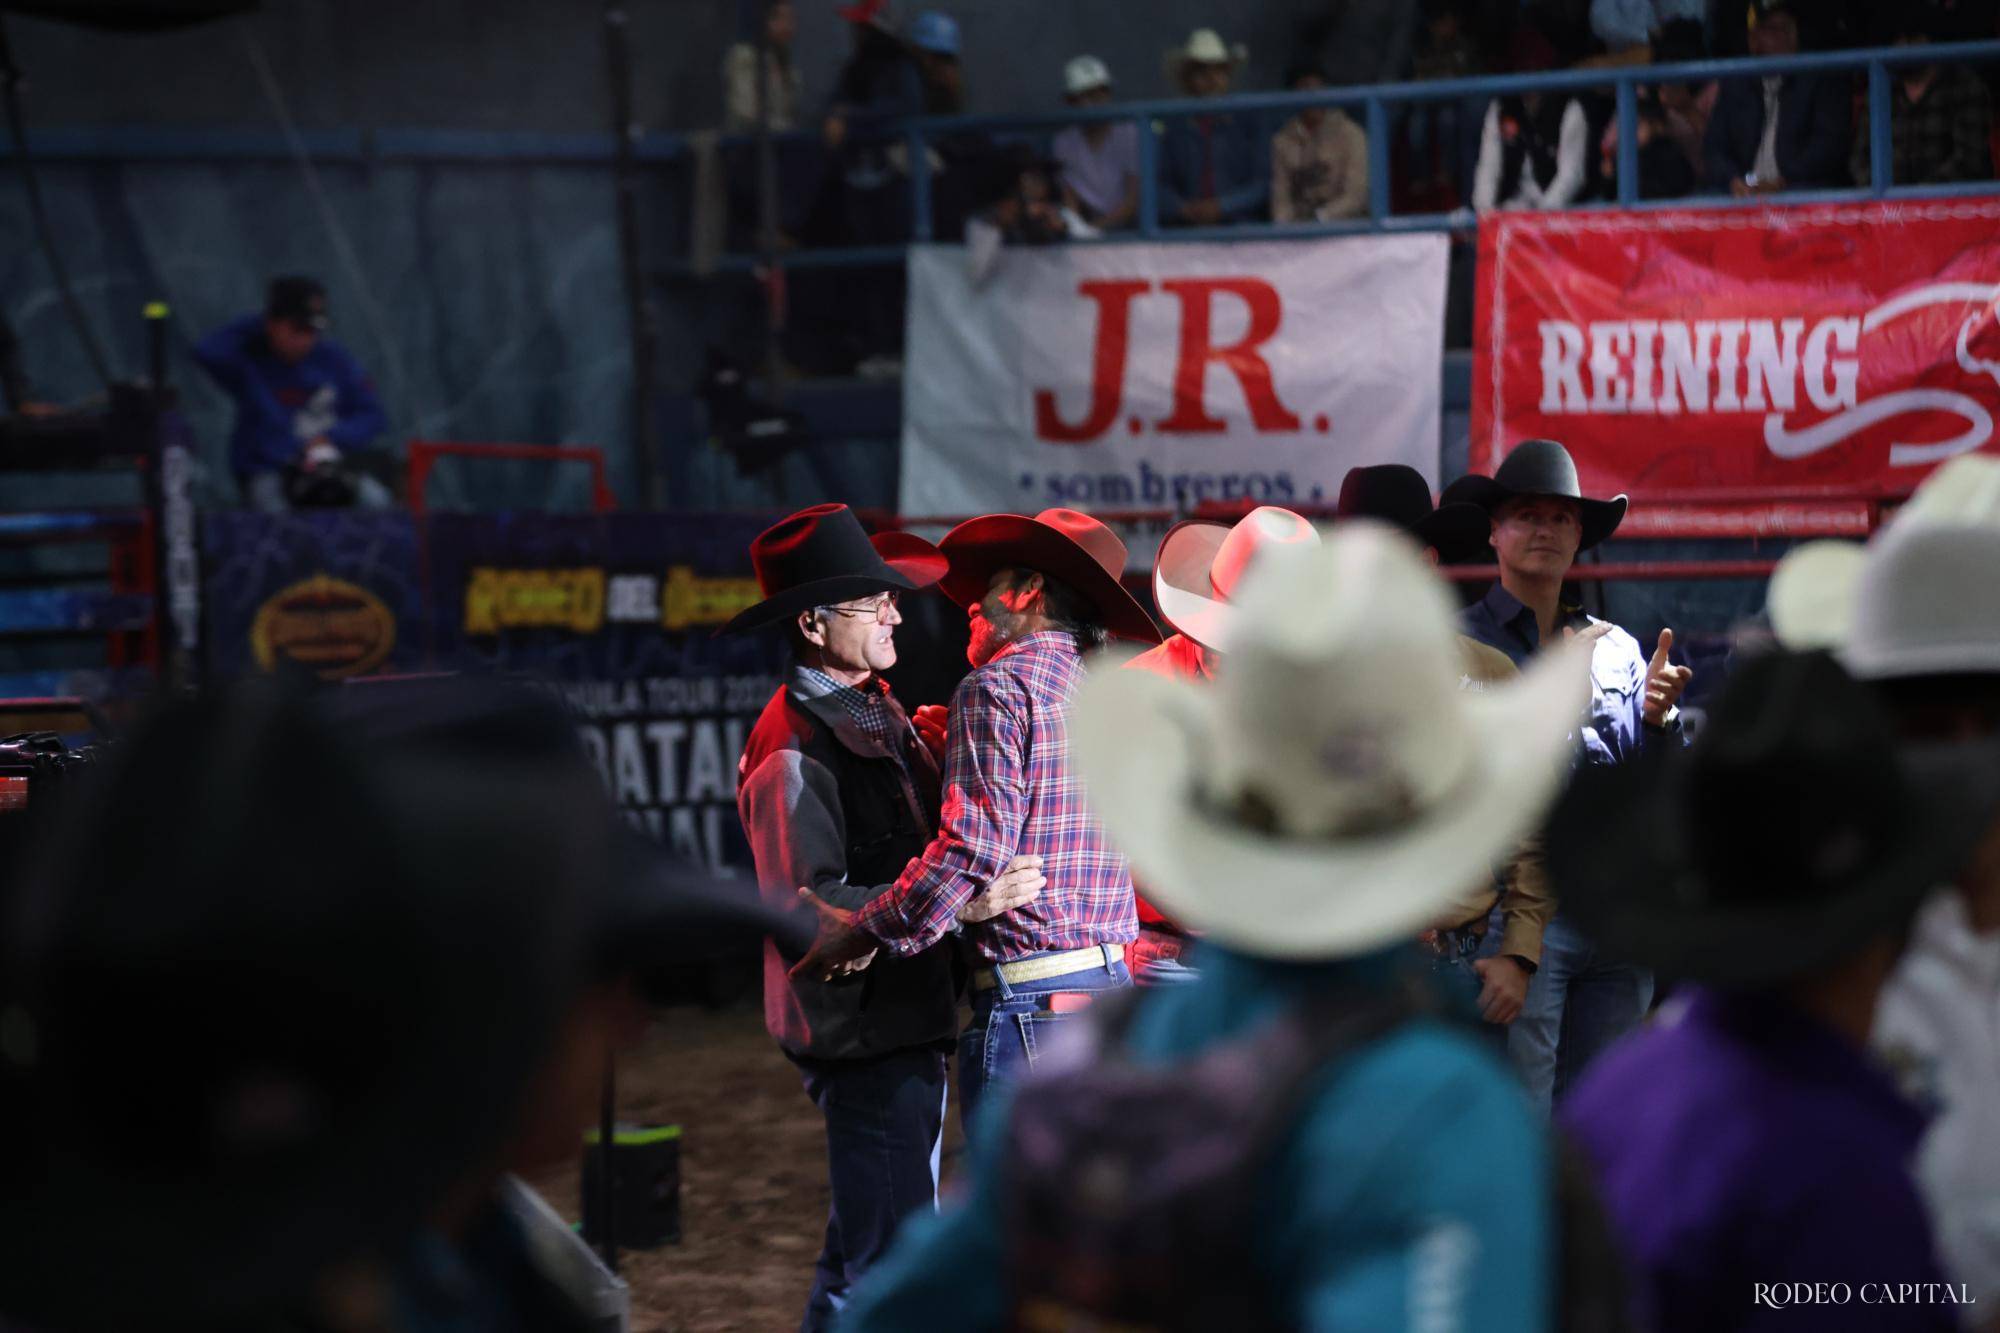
849, 185
1747, 135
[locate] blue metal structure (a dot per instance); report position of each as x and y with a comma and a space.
1374, 102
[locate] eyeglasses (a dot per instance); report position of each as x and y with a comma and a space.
876, 608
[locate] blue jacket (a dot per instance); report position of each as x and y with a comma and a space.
1417, 1170
1239, 159
279, 407
1615, 731
1815, 124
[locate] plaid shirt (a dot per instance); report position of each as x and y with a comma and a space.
1008, 791
1941, 139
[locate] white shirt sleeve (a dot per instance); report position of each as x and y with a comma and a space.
1563, 190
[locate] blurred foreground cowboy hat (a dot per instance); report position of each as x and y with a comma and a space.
1202, 562
1922, 599
1397, 494
1540, 467
1328, 793
1059, 543
279, 982
821, 556
1793, 830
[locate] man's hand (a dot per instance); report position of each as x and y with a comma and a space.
929, 720
1665, 683
1590, 634
1021, 882
838, 947
321, 452
1503, 987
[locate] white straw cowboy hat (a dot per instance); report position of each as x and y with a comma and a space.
1922, 599
1205, 46
1331, 791
1202, 562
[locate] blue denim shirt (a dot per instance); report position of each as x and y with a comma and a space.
1418, 1136
1615, 730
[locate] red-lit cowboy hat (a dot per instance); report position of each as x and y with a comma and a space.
1201, 561
1060, 543
1539, 467
822, 555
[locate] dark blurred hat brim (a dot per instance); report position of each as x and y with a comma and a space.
667, 917
1457, 531
1617, 857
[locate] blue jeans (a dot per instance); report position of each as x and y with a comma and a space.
1578, 1004
1011, 1022
884, 1126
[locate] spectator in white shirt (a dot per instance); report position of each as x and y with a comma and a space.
1099, 161
1533, 153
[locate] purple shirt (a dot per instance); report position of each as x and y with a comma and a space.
1098, 174
1008, 791
1738, 1142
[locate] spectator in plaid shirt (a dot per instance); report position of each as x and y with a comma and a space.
1942, 117
1039, 592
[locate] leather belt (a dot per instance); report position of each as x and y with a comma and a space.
1049, 965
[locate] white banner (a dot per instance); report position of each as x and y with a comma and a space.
1122, 377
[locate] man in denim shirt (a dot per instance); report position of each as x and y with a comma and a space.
1578, 1002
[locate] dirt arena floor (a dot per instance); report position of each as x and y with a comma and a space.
753, 1176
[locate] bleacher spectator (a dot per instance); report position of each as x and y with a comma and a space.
1099, 162
935, 39
1437, 143
1016, 202
302, 401
879, 82
1319, 160
958, 160
1775, 133
1214, 167
1688, 106
779, 104
1532, 152
1664, 171
1941, 118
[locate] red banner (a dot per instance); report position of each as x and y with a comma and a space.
1742, 356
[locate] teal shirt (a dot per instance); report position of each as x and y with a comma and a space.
1415, 1192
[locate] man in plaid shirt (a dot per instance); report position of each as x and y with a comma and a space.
1942, 116
1039, 593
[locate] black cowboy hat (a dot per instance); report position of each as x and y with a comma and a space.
822, 555
1060, 543
1540, 467
1397, 493
279, 982
1793, 831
